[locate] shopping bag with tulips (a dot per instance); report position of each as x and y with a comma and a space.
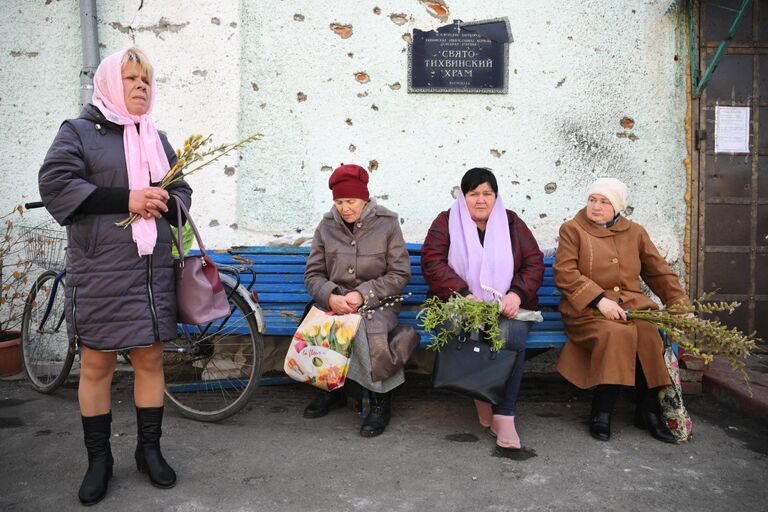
320, 350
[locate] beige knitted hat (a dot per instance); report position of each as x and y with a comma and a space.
615, 190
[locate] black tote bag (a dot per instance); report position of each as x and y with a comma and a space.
467, 365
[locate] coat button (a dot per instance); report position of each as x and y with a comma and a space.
359, 224
616, 288
351, 270
614, 260
354, 242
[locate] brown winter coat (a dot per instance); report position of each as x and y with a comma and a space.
374, 261
592, 260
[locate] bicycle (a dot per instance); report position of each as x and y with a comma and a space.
47, 354
211, 370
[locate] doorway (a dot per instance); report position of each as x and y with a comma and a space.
729, 203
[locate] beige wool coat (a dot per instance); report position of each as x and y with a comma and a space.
592, 260
373, 260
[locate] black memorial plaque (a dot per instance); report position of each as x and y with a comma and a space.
461, 57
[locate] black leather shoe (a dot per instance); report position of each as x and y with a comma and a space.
600, 426
96, 433
378, 419
651, 421
323, 402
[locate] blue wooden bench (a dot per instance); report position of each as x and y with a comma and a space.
279, 283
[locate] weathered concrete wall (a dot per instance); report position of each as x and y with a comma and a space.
232, 68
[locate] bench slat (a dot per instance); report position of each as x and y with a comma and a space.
290, 319
282, 296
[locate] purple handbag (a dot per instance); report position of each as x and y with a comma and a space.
200, 296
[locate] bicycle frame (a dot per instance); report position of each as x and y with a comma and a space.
244, 292
51, 300
231, 277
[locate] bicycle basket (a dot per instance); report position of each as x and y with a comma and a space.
45, 247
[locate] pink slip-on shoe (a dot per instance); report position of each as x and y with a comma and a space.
484, 413
503, 428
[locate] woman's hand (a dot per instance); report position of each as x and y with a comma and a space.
611, 310
338, 303
354, 299
148, 202
510, 305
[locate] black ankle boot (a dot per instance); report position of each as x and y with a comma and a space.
651, 420
149, 459
96, 433
324, 401
600, 425
603, 399
378, 418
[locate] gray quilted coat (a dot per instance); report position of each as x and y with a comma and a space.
374, 261
115, 299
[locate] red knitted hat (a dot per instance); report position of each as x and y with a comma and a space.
349, 181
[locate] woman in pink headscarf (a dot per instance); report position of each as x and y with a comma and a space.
483, 251
120, 283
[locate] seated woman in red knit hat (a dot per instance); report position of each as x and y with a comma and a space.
358, 256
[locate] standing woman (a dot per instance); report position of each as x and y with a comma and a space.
485, 252
120, 284
601, 257
358, 257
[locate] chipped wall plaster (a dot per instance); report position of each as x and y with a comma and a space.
231, 68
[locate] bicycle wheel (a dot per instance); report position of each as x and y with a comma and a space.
211, 371
45, 346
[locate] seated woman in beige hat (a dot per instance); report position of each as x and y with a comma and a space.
358, 256
600, 259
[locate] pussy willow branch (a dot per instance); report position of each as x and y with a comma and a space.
187, 157
699, 336
223, 150
386, 302
458, 314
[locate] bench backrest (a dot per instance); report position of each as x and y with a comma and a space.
282, 296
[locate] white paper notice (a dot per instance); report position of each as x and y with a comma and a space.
731, 129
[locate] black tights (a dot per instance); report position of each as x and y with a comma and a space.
605, 395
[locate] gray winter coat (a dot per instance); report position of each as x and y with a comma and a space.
115, 299
374, 261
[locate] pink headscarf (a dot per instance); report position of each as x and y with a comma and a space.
487, 268
144, 153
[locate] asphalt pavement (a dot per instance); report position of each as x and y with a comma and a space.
433, 456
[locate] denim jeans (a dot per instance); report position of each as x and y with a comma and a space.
514, 333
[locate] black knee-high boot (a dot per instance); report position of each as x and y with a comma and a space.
149, 459
96, 433
603, 401
378, 419
648, 411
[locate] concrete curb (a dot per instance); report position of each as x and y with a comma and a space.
729, 387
